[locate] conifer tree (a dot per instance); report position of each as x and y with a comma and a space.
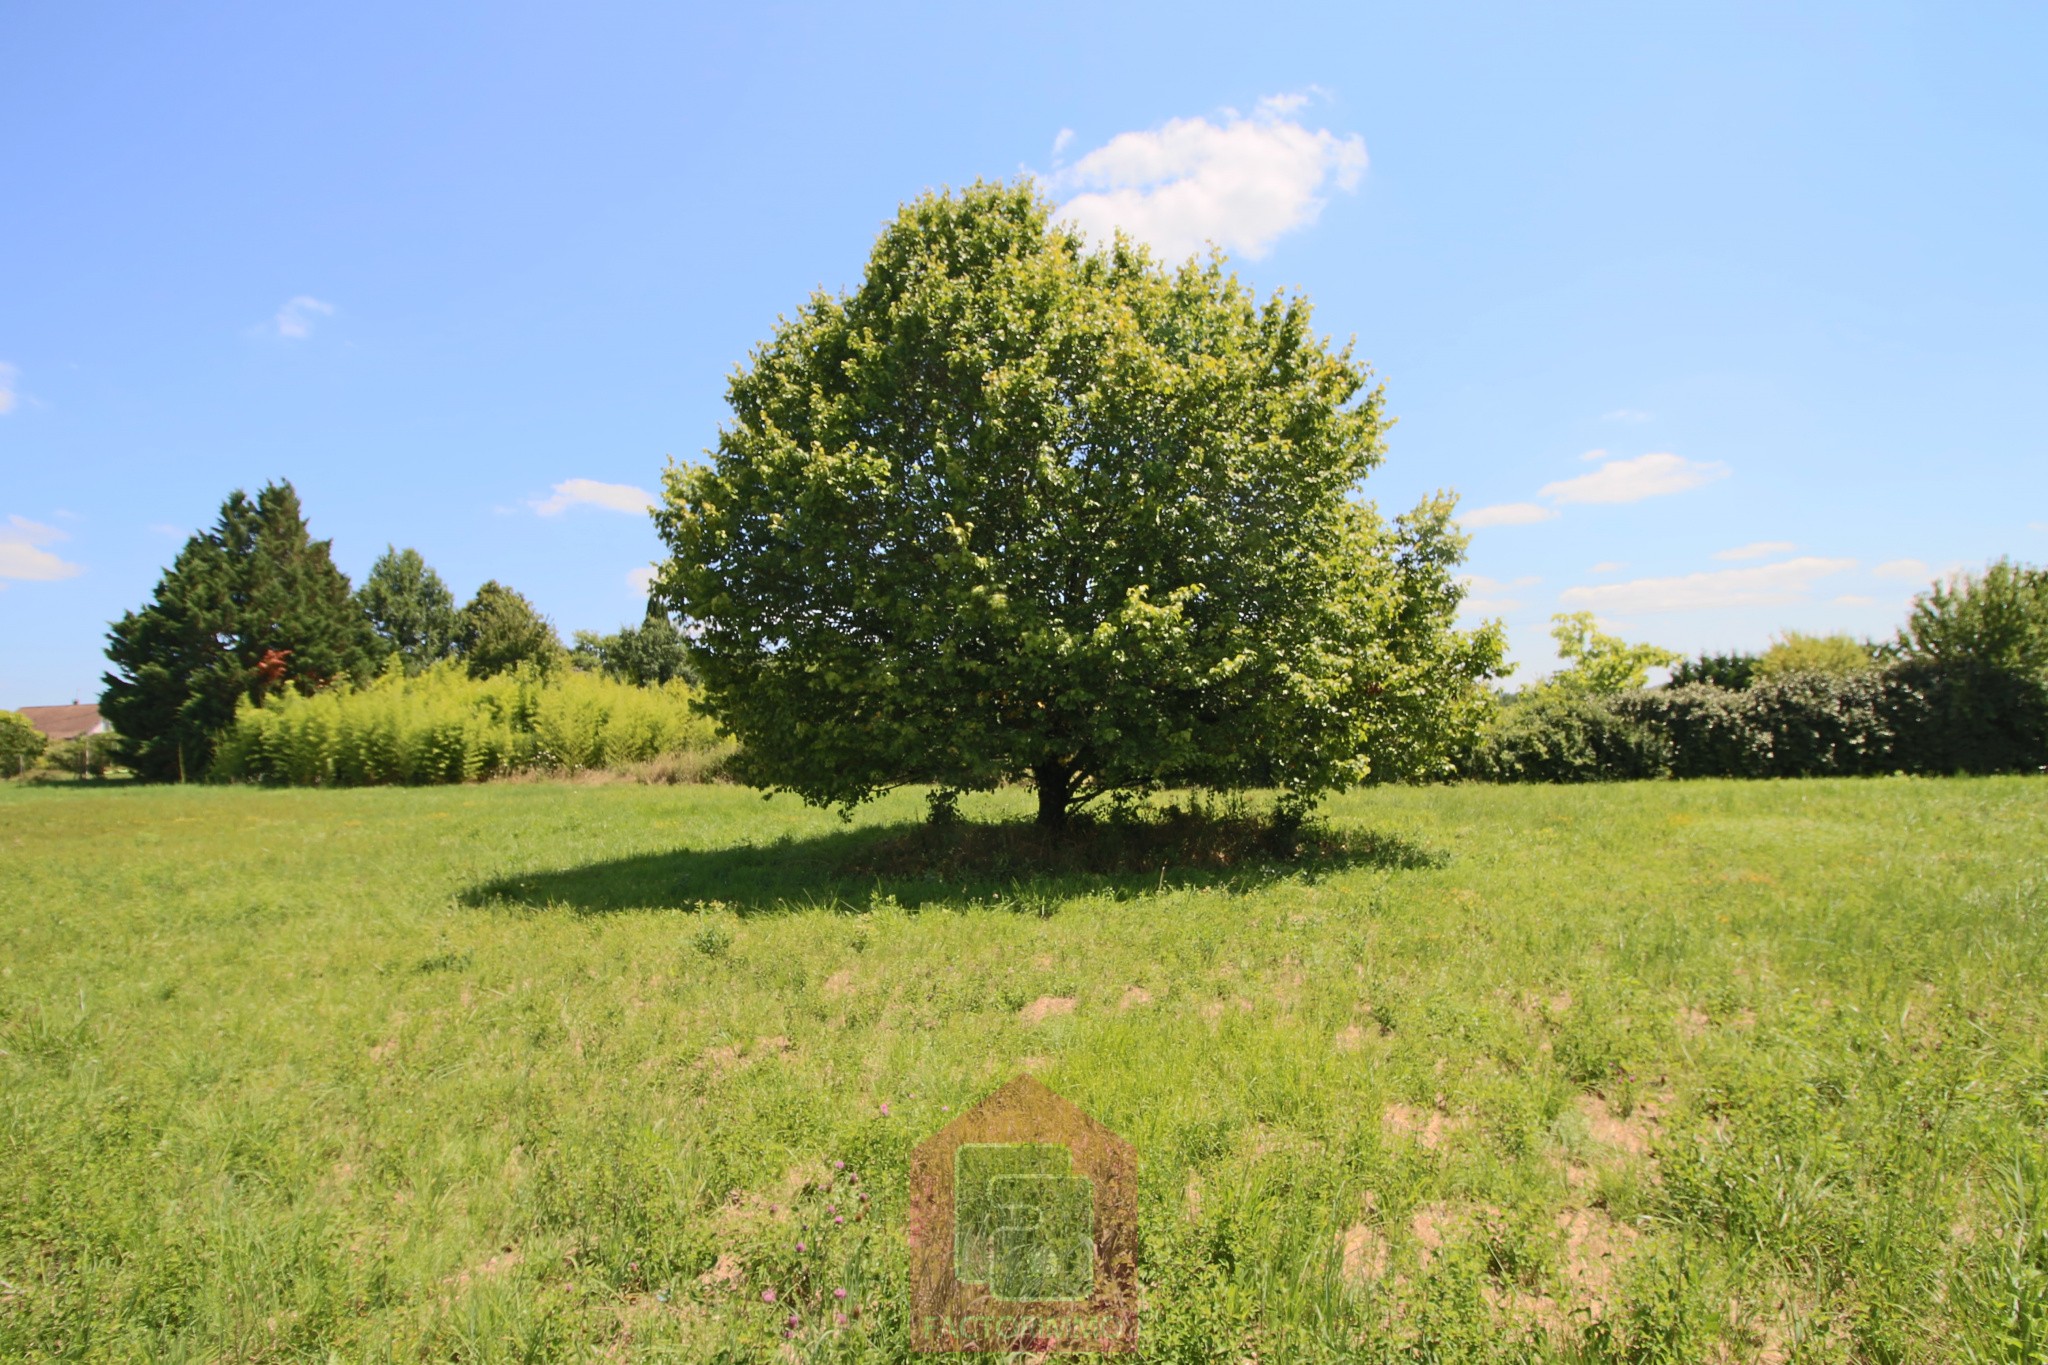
251, 606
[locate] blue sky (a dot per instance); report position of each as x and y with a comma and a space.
1722, 319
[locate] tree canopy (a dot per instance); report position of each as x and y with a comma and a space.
645, 655
251, 606
20, 743
409, 607
499, 629
1015, 508
1797, 652
1598, 663
1996, 619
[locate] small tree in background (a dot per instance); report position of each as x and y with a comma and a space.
645, 655
1019, 509
1599, 664
251, 606
1732, 671
1997, 619
499, 629
409, 607
1793, 652
20, 743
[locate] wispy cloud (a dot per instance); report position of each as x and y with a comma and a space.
641, 579
1757, 549
1608, 566
8, 394
1764, 585
1646, 476
23, 557
1241, 182
1904, 571
1852, 599
294, 321
1615, 481
1486, 596
1506, 514
615, 497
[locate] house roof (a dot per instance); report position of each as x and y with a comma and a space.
65, 722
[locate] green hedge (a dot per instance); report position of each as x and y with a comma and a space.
444, 726
1913, 716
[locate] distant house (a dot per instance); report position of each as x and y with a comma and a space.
60, 723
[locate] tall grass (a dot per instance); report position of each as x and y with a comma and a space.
1678, 1072
444, 726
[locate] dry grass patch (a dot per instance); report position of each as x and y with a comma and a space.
1432, 1128
1046, 1007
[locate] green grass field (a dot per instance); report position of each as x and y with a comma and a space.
1707, 1071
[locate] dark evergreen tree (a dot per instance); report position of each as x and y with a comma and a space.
410, 608
500, 629
1732, 671
253, 605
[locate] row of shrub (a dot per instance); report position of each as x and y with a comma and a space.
1912, 716
441, 725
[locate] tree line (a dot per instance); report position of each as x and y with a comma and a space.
253, 608
1961, 687
1021, 508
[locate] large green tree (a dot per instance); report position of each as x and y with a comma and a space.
250, 606
1016, 508
1996, 619
409, 607
499, 629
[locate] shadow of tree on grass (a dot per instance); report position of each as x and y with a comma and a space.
916, 865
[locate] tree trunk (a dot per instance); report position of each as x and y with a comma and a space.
1055, 793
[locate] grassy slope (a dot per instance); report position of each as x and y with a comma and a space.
1647, 1071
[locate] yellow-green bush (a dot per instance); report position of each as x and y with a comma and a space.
444, 726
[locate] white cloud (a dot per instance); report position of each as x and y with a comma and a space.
294, 321
22, 554
1646, 476
1505, 514
1592, 455
616, 497
641, 579
8, 396
1062, 140
1757, 549
1852, 599
1608, 566
1763, 585
1242, 182
1487, 596
1625, 415
1904, 571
